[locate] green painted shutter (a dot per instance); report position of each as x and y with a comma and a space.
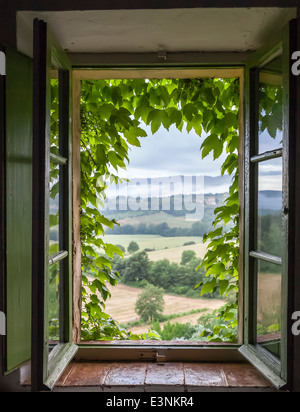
18, 207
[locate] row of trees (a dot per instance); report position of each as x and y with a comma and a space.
163, 229
138, 270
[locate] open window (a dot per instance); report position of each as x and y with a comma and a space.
266, 223
198, 81
266, 210
52, 346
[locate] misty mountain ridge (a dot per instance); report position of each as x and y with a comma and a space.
171, 185
208, 190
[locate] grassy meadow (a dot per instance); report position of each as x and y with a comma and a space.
155, 242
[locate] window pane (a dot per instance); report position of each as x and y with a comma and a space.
54, 135
269, 306
270, 106
54, 167
269, 229
54, 306
54, 209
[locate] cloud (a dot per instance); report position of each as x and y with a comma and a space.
171, 153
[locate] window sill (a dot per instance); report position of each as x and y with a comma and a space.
161, 377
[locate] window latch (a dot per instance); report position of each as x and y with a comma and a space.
162, 55
160, 357
150, 355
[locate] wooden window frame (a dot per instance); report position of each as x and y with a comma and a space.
278, 372
147, 350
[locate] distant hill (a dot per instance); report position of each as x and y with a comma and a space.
150, 187
164, 193
269, 201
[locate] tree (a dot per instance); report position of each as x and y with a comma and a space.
187, 256
136, 268
162, 274
132, 247
150, 303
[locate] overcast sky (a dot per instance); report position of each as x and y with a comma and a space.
171, 153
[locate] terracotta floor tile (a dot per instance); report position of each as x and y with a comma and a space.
65, 375
244, 375
166, 376
129, 374
204, 375
87, 374
156, 377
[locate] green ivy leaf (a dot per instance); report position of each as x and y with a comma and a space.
132, 135
216, 269
197, 124
208, 96
211, 143
115, 160
102, 261
156, 118
101, 154
189, 111
223, 285
110, 250
208, 287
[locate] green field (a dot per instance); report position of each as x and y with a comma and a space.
174, 254
155, 242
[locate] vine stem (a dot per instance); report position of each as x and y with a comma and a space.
89, 153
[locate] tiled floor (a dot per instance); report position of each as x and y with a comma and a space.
156, 377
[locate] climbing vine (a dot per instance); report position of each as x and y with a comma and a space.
113, 113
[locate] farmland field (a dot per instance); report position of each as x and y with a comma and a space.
151, 241
170, 248
157, 218
174, 254
121, 306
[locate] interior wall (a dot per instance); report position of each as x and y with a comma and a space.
209, 30
8, 16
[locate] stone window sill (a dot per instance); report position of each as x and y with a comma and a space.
161, 377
